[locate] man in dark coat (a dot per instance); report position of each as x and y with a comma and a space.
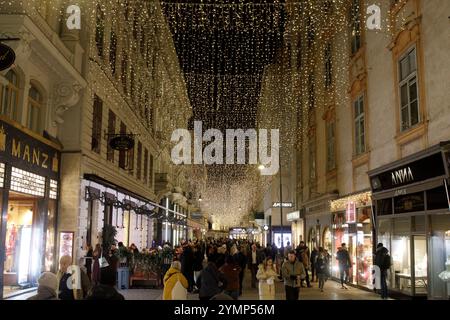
383, 261
210, 282
255, 258
105, 289
343, 257
187, 265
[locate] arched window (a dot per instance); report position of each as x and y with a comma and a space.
35, 109
10, 96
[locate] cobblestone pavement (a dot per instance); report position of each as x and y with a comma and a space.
332, 291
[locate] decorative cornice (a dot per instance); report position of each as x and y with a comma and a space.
66, 96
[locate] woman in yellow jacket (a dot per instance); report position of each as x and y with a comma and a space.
175, 284
267, 275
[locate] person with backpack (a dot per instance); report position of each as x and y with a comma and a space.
383, 261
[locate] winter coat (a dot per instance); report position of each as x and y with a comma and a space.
382, 259
187, 260
44, 293
104, 292
292, 269
198, 260
344, 259
260, 256
231, 273
65, 293
303, 256
175, 285
267, 278
209, 279
322, 265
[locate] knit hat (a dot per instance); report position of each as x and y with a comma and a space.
49, 280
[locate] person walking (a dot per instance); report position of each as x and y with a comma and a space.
89, 260
322, 267
255, 258
241, 260
293, 272
198, 264
303, 256
175, 283
383, 261
187, 264
231, 272
47, 286
266, 275
343, 258
96, 255
314, 254
210, 282
105, 289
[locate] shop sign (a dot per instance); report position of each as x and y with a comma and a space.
7, 57
350, 212
420, 170
27, 152
292, 216
122, 142
284, 204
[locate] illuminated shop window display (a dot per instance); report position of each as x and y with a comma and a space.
53, 189
27, 182
2, 174
18, 243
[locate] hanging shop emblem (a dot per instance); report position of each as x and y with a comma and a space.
122, 142
7, 57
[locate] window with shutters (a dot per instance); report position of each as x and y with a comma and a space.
145, 166
113, 52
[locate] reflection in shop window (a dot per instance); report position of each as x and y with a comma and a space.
50, 237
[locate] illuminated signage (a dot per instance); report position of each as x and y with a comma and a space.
350, 212
284, 204
293, 216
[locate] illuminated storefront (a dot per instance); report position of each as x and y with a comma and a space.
29, 189
297, 226
413, 221
353, 225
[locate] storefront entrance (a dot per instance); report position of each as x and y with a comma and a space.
19, 230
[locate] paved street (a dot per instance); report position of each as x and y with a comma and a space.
332, 291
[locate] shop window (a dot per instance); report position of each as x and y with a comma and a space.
409, 203
35, 110
359, 121
401, 255
18, 244
409, 102
9, 96
437, 199
384, 207
50, 237
53, 192
420, 282
2, 174
439, 256
97, 124
418, 223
